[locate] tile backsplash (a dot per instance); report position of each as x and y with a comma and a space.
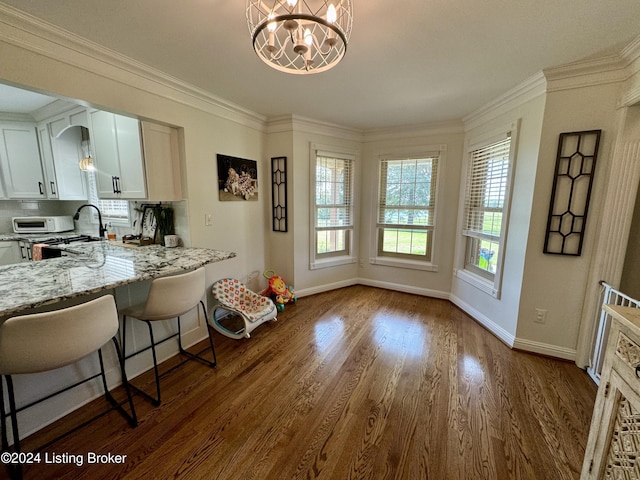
24, 208
27, 208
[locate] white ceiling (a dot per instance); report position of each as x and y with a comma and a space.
16, 100
408, 62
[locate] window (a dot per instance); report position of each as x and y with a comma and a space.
486, 207
332, 208
115, 212
406, 209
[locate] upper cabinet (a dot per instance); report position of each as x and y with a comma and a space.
135, 160
61, 150
76, 117
20, 162
162, 164
46, 156
67, 153
118, 156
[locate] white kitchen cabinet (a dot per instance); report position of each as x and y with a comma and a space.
46, 156
76, 117
162, 162
67, 153
20, 161
613, 448
118, 156
9, 253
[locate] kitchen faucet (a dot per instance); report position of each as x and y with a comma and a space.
101, 230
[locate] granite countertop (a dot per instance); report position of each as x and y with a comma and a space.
39, 237
91, 268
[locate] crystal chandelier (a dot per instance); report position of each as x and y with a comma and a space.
300, 36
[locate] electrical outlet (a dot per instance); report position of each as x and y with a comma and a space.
541, 315
208, 219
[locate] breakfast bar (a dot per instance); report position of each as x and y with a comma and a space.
83, 272
91, 268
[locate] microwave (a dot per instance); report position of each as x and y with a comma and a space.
45, 224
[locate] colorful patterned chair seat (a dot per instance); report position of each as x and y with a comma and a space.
235, 298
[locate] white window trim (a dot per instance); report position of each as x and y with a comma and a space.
493, 288
400, 154
316, 149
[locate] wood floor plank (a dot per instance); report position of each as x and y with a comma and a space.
357, 383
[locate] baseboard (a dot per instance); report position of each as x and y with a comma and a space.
425, 292
485, 321
326, 288
545, 349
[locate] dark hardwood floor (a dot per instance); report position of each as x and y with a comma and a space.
358, 383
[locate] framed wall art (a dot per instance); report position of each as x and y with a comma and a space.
237, 178
279, 193
572, 182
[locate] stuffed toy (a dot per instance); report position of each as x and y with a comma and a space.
278, 290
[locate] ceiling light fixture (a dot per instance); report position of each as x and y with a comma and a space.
300, 36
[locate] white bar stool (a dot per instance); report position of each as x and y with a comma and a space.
46, 341
169, 297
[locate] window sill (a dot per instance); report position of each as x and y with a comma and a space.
479, 282
332, 262
399, 263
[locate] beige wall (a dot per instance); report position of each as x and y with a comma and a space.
558, 283
237, 226
209, 126
500, 314
306, 279
434, 283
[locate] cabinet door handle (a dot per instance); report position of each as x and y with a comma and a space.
22, 255
118, 185
53, 188
113, 184
40, 188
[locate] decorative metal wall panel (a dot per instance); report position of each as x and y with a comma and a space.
279, 193
573, 179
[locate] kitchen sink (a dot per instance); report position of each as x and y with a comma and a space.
74, 239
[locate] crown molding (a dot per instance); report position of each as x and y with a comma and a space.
57, 107
531, 88
30, 33
297, 123
631, 55
450, 127
16, 117
586, 73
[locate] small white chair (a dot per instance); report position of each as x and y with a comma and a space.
46, 341
169, 297
236, 298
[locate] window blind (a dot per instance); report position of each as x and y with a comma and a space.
408, 192
486, 190
110, 209
334, 209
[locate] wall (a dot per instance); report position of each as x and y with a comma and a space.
558, 283
281, 244
630, 281
433, 283
209, 127
500, 315
305, 133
